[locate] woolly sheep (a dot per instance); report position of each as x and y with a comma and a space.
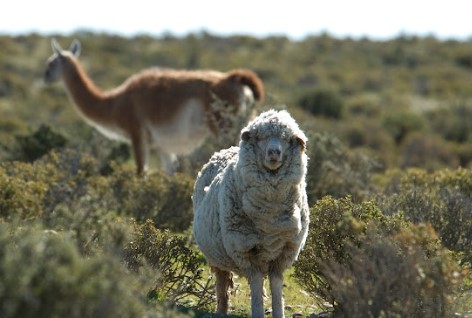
251, 211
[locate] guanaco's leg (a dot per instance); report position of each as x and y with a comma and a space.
168, 162
140, 151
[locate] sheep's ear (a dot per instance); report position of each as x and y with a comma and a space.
75, 47
56, 47
301, 142
245, 135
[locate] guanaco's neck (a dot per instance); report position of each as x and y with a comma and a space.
92, 102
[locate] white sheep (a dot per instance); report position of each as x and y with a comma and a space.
251, 211
172, 109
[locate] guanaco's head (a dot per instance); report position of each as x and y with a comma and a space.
60, 57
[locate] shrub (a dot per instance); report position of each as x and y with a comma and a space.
37, 144
464, 60
393, 277
400, 123
9, 128
68, 173
370, 136
180, 268
427, 152
166, 200
118, 153
334, 170
371, 265
452, 123
442, 198
335, 223
35, 189
322, 102
43, 275
464, 152
68, 180
367, 105
93, 228
20, 197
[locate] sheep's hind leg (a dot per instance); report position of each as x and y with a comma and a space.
276, 284
223, 282
256, 282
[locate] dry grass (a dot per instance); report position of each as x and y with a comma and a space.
296, 299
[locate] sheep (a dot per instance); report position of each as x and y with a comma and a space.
250, 206
172, 109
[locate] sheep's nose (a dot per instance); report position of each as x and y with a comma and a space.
274, 149
274, 154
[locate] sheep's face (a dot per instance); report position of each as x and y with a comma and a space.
272, 150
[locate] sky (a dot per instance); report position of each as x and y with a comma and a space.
378, 20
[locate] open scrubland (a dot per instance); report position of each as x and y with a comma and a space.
389, 183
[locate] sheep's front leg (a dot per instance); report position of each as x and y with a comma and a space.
276, 283
223, 282
256, 283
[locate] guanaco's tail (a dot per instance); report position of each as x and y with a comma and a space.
250, 79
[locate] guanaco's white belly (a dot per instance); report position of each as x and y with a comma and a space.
185, 132
111, 131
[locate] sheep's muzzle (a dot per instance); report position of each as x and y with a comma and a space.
273, 153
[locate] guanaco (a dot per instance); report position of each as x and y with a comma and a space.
171, 109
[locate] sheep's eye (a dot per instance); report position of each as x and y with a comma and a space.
261, 142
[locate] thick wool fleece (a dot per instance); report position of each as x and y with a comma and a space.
248, 217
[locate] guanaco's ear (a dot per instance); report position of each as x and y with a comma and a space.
245, 135
75, 47
56, 47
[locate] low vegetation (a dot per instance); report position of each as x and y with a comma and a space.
389, 182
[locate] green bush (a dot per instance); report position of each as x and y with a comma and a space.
37, 144
442, 198
394, 277
428, 152
368, 135
371, 265
335, 170
322, 102
335, 223
43, 275
401, 123
366, 105
453, 122
180, 280
68, 179
10, 126
20, 197
464, 153
35, 189
166, 200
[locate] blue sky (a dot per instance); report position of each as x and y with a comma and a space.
294, 18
